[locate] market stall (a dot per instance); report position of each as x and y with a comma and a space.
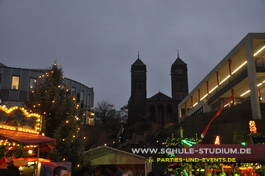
110, 160
20, 140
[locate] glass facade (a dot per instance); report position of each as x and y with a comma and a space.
32, 83
15, 83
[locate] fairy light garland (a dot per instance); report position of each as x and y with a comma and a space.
27, 114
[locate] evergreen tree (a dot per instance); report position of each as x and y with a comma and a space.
69, 145
50, 98
59, 112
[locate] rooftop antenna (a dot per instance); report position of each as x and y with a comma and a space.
178, 53
138, 55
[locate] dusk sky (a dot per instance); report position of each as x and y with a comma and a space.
96, 41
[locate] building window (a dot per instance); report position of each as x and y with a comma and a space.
15, 83
32, 82
73, 90
82, 96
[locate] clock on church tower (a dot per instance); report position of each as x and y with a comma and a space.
179, 79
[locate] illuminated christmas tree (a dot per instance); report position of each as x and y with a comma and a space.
51, 98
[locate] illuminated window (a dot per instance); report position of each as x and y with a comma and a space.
15, 83
32, 83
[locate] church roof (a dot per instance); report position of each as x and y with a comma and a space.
179, 62
138, 62
160, 96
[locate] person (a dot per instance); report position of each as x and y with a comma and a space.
13, 168
120, 173
151, 174
60, 171
5, 172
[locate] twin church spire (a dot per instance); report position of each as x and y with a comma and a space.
179, 79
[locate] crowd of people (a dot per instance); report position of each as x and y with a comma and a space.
129, 173
10, 170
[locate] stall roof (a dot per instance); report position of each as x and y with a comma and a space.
25, 138
107, 156
250, 152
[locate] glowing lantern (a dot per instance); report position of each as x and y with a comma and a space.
252, 126
217, 140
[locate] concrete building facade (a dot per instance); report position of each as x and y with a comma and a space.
16, 83
240, 73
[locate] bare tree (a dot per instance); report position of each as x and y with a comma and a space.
105, 114
123, 114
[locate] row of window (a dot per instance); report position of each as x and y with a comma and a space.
15, 82
32, 82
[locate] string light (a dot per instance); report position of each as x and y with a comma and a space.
259, 51
27, 114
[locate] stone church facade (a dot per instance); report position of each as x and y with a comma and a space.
159, 110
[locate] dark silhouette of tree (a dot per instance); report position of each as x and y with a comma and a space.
123, 114
105, 114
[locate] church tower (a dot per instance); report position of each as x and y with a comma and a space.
137, 101
179, 80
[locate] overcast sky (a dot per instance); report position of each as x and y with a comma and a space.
96, 41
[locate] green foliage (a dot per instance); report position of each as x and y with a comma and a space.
242, 136
70, 145
86, 170
2, 151
51, 99
54, 102
20, 152
17, 152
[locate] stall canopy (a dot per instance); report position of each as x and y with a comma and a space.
25, 138
107, 156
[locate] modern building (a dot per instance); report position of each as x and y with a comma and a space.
241, 73
16, 83
159, 109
